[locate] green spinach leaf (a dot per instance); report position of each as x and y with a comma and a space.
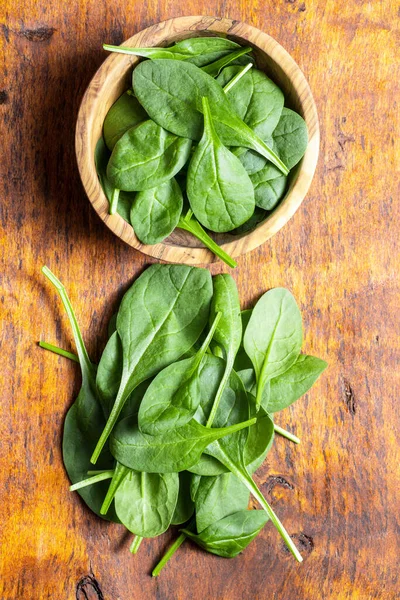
145, 502
215, 68
290, 137
198, 50
171, 92
255, 98
125, 113
184, 508
218, 497
157, 323
146, 156
269, 186
170, 452
155, 212
173, 396
273, 336
231, 535
220, 191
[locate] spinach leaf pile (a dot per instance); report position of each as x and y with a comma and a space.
179, 413
201, 142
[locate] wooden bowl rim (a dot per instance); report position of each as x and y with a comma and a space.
285, 210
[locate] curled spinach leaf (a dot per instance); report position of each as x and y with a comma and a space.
155, 212
146, 156
218, 497
184, 506
215, 68
220, 191
199, 50
232, 534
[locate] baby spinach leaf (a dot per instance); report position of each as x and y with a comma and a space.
242, 361
101, 158
190, 224
84, 419
145, 502
232, 534
293, 383
198, 50
259, 440
184, 506
218, 497
157, 323
255, 98
173, 396
220, 192
155, 212
214, 68
233, 458
228, 334
108, 379
125, 113
257, 217
290, 137
171, 92
146, 156
273, 336
170, 452
269, 186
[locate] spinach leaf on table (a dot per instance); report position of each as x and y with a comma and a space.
125, 113
155, 212
145, 502
171, 92
255, 99
293, 383
290, 137
157, 323
184, 508
228, 334
169, 452
232, 534
269, 186
273, 336
198, 50
220, 191
146, 156
173, 396
84, 419
218, 497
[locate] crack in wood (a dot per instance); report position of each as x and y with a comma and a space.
348, 396
277, 480
88, 588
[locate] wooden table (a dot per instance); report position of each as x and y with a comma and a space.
338, 492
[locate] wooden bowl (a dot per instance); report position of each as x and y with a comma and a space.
114, 77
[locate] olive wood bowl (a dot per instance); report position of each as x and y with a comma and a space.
114, 77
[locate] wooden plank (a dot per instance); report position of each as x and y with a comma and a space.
339, 256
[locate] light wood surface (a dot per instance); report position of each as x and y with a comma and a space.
337, 492
115, 76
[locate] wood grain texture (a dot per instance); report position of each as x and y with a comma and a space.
115, 76
337, 492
